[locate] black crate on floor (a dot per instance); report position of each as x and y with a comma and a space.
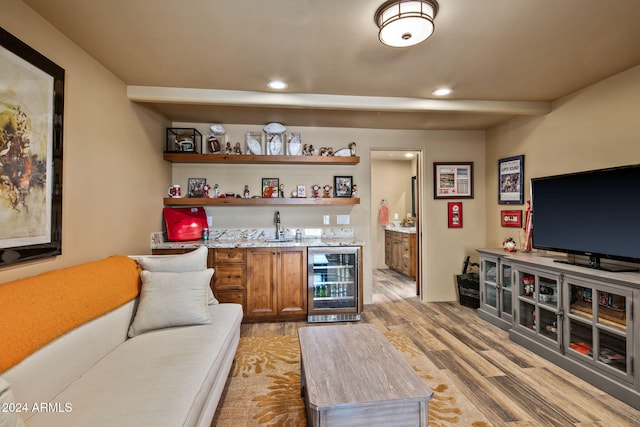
468, 289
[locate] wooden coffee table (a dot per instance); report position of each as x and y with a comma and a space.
351, 375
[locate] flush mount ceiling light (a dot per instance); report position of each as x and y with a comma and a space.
442, 91
277, 84
405, 22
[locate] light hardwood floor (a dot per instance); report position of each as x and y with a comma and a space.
509, 384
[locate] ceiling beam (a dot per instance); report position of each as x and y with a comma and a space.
173, 95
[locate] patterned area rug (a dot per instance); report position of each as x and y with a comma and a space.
264, 389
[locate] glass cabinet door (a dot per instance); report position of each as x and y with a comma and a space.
538, 304
597, 327
489, 283
506, 293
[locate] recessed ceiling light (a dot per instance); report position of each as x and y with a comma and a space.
442, 91
277, 84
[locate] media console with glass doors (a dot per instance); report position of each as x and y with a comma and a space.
579, 318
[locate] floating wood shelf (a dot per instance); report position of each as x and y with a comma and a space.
235, 201
260, 159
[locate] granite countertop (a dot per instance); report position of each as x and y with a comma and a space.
262, 238
401, 229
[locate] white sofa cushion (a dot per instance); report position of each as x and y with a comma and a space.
191, 261
160, 378
172, 299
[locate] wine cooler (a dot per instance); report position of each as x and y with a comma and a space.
334, 284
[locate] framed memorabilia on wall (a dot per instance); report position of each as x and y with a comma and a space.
511, 218
454, 210
342, 186
453, 180
511, 180
31, 120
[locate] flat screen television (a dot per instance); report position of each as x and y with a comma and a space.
593, 213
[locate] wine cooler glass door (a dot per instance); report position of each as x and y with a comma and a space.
333, 284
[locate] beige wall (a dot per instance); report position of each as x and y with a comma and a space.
113, 172
444, 248
596, 127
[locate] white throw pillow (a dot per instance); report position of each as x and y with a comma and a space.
9, 409
191, 261
170, 299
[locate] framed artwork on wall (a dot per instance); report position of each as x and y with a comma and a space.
31, 120
511, 218
453, 180
454, 210
511, 180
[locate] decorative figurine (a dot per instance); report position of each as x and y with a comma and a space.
237, 149
509, 244
246, 194
205, 191
315, 191
354, 190
312, 151
352, 147
216, 191
281, 191
228, 149
327, 191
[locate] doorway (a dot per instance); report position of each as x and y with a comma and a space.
396, 182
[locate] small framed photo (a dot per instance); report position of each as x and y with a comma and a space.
196, 187
342, 186
511, 218
302, 191
270, 187
455, 214
453, 180
511, 181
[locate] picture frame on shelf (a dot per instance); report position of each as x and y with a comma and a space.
32, 116
342, 186
195, 187
453, 180
511, 180
270, 187
511, 218
301, 191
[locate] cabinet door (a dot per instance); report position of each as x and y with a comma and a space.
506, 293
597, 331
489, 284
292, 282
261, 282
388, 248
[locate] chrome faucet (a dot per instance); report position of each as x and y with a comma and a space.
278, 225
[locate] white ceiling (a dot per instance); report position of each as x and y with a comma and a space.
518, 54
